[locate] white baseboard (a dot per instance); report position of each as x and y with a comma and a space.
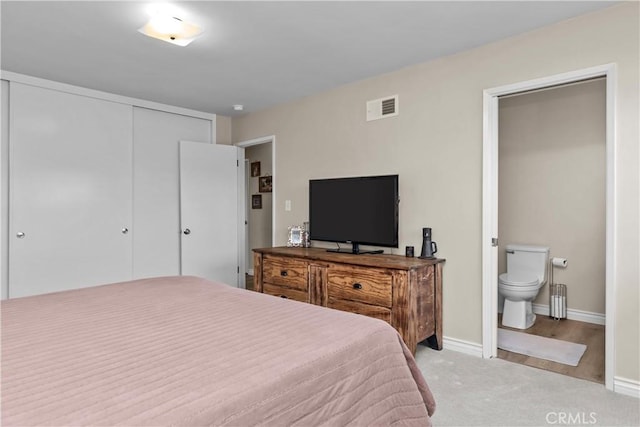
627, 387
573, 314
250, 272
462, 346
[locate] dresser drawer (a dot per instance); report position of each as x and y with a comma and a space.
284, 292
378, 312
369, 286
286, 272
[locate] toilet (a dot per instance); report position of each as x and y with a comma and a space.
526, 275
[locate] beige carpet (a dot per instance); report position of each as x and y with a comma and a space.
471, 391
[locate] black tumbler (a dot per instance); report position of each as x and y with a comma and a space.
429, 248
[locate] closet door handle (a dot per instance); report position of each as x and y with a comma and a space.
186, 231
20, 235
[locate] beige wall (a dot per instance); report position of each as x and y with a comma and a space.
552, 184
223, 130
260, 220
435, 144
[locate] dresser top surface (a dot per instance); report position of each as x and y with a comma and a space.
369, 260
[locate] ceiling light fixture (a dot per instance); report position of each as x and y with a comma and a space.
238, 107
169, 28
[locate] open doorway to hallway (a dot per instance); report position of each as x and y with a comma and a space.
259, 195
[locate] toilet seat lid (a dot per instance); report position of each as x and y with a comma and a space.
518, 279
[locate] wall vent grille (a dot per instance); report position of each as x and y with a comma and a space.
382, 108
388, 106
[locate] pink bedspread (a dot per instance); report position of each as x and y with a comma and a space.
187, 351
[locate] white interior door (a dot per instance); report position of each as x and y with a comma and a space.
70, 191
209, 212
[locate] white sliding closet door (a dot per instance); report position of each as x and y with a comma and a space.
209, 211
70, 191
156, 187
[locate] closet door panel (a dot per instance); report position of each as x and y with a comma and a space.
156, 241
70, 195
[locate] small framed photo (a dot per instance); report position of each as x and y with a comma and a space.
265, 184
255, 169
256, 201
295, 236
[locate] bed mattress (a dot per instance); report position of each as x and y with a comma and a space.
188, 351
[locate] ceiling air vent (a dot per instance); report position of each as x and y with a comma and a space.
382, 108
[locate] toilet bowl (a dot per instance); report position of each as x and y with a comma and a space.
525, 276
518, 293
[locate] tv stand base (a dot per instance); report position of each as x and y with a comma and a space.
359, 252
355, 250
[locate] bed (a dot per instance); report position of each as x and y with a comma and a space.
188, 351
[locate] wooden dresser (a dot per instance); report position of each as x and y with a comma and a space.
405, 292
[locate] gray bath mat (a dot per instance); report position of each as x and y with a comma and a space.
559, 351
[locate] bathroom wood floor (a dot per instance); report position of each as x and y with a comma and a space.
591, 366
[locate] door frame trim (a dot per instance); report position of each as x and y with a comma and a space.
490, 204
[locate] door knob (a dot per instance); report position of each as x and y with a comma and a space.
125, 230
187, 231
19, 234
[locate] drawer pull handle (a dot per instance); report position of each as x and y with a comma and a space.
357, 286
284, 296
283, 273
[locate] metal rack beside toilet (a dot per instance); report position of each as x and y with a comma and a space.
557, 294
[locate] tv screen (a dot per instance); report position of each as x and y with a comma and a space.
360, 210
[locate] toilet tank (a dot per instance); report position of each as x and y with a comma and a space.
529, 260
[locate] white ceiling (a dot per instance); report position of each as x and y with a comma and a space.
254, 53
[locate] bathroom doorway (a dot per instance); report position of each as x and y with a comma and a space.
551, 193
535, 169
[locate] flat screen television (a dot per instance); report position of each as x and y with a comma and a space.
359, 210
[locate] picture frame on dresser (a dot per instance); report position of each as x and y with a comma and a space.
294, 238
